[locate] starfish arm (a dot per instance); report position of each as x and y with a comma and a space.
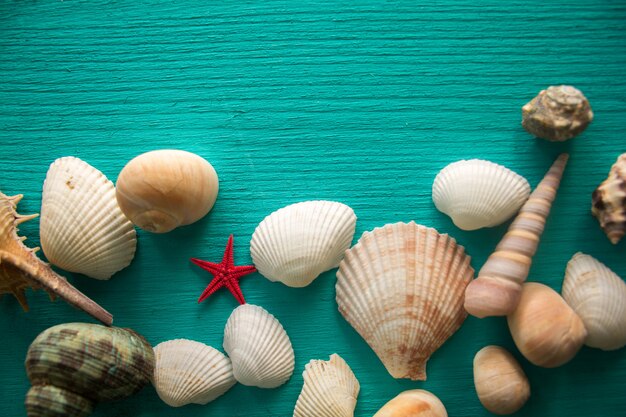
229, 260
211, 267
240, 271
235, 290
213, 286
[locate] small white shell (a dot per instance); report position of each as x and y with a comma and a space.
82, 228
598, 296
259, 348
189, 372
330, 389
477, 193
295, 244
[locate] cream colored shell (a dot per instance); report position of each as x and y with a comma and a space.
598, 296
295, 244
82, 228
500, 382
259, 348
477, 193
330, 389
413, 403
401, 287
190, 372
544, 328
161, 190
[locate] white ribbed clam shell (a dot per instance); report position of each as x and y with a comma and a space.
598, 296
330, 389
402, 288
82, 228
190, 372
259, 348
297, 243
477, 193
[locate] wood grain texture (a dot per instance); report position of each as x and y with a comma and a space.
360, 103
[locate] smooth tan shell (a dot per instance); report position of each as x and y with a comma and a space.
330, 389
82, 228
413, 403
190, 372
296, 243
609, 201
598, 296
477, 193
259, 347
161, 190
401, 287
500, 382
20, 268
497, 289
545, 329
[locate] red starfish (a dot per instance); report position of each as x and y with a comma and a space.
225, 274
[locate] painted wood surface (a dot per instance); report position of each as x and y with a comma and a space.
360, 103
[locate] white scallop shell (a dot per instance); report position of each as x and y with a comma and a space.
189, 372
330, 389
82, 228
598, 296
297, 243
402, 288
477, 193
259, 348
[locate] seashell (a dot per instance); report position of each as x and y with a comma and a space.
161, 190
295, 244
258, 347
609, 201
477, 193
330, 389
82, 228
21, 268
557, 113
413, 403
500, 382
401, 287
544, 328
497, 289
189, 372
598, 296
72, 366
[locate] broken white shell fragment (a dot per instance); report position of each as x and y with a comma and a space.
295, 244
330, 389
190, 372
477, 193
82, 228
598, 296
259, 348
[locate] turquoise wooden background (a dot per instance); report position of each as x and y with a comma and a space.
309, 100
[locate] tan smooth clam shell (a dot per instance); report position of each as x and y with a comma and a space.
500, 382
544, 328
163, 189
413, 403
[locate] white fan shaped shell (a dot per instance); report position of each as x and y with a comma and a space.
190, 372
477, 193
82, 228
330, 389
259, 348
297, 243
402, 289
598, 296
